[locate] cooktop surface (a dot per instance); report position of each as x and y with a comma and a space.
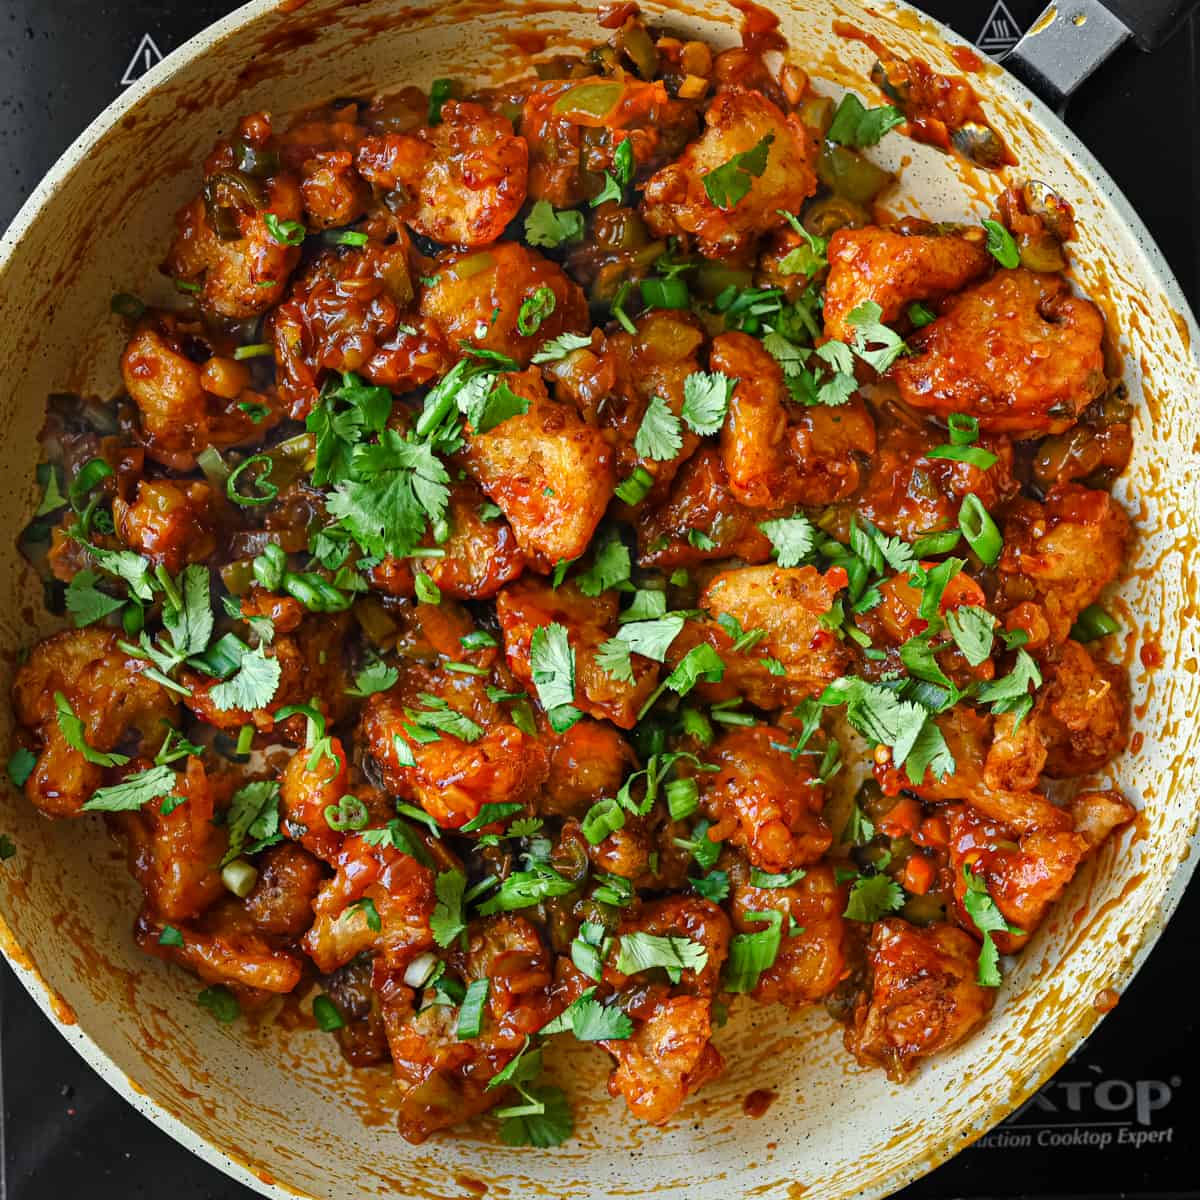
1113, 1123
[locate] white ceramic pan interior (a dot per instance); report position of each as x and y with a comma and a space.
280, 1111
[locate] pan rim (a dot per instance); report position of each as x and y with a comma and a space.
1153, 266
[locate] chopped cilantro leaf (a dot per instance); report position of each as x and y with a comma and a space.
988, 918
659, 437
645, 951
133, 792
730, 183
872, 897
856, 125
86, 603
558, 348
869, 331
448, 921
547, 226
706, 400
552, 660
792, 539
253, 686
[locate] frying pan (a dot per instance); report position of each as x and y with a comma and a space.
276, 1108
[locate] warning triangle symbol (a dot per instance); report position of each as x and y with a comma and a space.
146, 55
1000, 32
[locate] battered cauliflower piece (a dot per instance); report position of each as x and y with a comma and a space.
312, 668
224, 946
243, 275
993, 774
185, 406
1064, 552
701, 501
459, 182
587, 762
174, 855
1024, 874
451, 776
764, 802
1082, 713
443, 1077
480, 555
107, 690
812, 960
786, 604
1019, 352
401, 891
550, 473
675, 200
669, 1056
496, 299
893, 270
171, 524
653, 361
355, 310
907, 493
770, 460
921, 996
528, 604
670, 1053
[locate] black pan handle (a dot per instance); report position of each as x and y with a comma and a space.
1070, 41
1151, 22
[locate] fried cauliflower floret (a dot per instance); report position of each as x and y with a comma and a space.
655, 360
811, 961
170, 523
281, 902
1024, 873
770, 460
479, 557
907, 493
395, 924
1063, 553
313, 780
765, 802
354, 310
893, 270
669, 1056
185, 406
224, 946
701, 501
333, 192
452, 777
587, 762
507, 298
786, 605
244, 273
107, 690
312, 667
995, 778
550, 473
460, 182
444, 1077
921, 996
670, 1053
1097, 814
174, 855
1082, 712
676, 202
1019, 352
528, 604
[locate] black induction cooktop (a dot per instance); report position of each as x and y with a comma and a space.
1117, 1121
